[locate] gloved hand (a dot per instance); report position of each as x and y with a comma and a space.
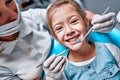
54, 67
118, 17
103, 23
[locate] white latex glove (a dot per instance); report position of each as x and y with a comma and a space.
54, 67
103, 23
118, 17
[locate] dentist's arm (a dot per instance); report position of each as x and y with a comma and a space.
54, 67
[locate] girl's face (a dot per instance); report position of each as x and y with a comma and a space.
68, 26
8, 11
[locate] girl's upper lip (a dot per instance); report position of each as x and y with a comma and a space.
72, 37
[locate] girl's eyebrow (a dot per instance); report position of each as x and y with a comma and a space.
57, 24
76, 16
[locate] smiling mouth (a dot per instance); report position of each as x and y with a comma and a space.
73, 39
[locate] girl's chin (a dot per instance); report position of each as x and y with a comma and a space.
74, 49
75, 46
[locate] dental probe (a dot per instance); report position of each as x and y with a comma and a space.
61, 53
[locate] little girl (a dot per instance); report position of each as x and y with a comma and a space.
86, 60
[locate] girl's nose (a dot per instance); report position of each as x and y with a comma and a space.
69, 31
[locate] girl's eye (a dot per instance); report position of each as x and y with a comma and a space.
8, 1
74, 21
59, 28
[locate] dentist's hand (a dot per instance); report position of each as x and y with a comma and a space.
54, 67
103, 23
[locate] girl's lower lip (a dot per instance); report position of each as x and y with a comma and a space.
73, 42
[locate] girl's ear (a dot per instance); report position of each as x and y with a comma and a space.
87, 22
89, 15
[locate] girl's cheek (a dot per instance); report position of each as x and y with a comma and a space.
60, 36
78, 27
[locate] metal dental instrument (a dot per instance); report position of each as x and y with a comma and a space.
80, 40
61, 53
106, 10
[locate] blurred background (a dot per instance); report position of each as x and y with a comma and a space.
96, 6
26, 4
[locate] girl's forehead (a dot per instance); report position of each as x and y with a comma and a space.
63, 12
65, 9
68, 6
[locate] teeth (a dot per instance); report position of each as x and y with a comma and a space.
71, 40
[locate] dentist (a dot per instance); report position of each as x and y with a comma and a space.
24, 42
